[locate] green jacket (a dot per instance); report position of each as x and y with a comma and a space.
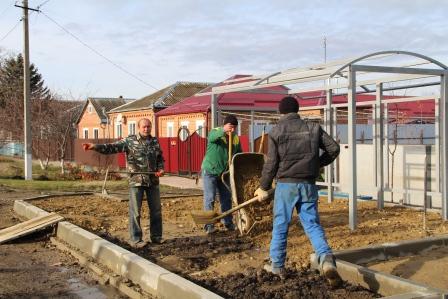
216, 158
142, 154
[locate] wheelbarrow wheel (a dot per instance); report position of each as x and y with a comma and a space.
244, 221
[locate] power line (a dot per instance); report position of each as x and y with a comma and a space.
12, 29
6, 9
42, 4
97, 52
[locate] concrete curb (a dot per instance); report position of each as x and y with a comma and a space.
348, 261
152, 278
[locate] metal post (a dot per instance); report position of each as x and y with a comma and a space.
252, 131
213, 110
379, 137
444, 140
438, 134
335, 134
27, 96
386, 145
352, 192
329, 130
425, 183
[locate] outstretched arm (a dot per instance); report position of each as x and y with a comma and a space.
108, 148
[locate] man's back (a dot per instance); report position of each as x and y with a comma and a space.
294, 151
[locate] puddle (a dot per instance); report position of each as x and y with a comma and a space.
84, 291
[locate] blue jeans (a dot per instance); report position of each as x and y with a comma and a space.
211, 184
155, 212
304, 198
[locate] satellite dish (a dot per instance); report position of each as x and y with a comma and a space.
119, 117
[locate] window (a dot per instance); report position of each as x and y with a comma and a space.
86, 133
118, 131
95, 133
184, 133
169, 129
131, 128
89, 108
200, 130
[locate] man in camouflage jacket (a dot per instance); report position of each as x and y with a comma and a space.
143, 154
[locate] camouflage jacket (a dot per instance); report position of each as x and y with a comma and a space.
142, 154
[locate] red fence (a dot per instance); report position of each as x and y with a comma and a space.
185, 157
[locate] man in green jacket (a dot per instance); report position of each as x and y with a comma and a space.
214, 164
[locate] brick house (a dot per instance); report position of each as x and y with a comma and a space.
123, 119
93, 122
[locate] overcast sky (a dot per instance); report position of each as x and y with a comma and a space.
162, 42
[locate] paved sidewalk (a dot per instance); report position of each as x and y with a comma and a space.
181, 182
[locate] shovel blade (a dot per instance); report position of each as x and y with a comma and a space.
204, 217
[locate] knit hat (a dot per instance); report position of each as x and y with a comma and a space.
230, 119
288, 105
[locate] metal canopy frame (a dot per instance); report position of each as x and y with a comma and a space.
328, 79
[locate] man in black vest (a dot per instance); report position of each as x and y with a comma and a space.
294, 160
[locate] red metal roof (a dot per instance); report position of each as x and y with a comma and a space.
197, 104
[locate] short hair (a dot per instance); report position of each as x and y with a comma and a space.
143, 119
288, 105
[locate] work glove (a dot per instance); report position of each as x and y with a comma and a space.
261, 194
160, 173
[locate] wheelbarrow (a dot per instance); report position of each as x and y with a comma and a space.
245, 174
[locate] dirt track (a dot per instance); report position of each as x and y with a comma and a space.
227, 257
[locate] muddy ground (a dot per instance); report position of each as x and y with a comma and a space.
228, 263
32, 268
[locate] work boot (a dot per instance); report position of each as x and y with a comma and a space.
157, 240
230, 227
138, 245
329, 271
280, 271
210, 229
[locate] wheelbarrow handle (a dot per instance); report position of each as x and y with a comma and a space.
238, 207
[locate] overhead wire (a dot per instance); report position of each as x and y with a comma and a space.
11, 30
96, 51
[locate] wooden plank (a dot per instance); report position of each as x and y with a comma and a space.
28, 227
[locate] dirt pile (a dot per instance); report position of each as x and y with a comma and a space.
259, 284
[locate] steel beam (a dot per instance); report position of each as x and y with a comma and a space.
379, 137
438, 134
397, 70
444, 140
386, 145
329, 130
352, 192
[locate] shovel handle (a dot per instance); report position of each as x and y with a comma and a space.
238, 207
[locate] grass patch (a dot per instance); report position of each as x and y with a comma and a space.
94, 186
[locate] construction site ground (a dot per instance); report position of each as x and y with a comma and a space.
429, 267
229, 264
31, 267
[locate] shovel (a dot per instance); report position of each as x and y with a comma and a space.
210, 217
226, 174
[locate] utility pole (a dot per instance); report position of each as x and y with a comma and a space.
26, 95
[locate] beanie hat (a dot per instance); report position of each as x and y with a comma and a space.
230, 119
288, 105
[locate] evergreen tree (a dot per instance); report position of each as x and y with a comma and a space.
11, 96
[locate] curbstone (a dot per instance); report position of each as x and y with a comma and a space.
152, 278
27, 210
